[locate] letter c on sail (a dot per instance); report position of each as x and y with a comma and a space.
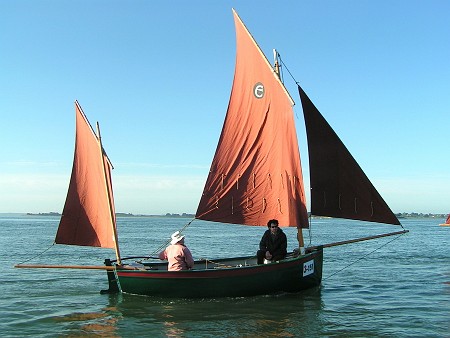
258, 90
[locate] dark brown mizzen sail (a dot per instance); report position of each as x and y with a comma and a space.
339, 187
256, 172
88, 217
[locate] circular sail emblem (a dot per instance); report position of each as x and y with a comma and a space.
258, 90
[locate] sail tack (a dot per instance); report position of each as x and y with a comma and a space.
88, 216
339, 187
256, 171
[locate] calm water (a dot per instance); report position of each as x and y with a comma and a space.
379, 288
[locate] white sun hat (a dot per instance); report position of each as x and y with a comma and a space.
176, 237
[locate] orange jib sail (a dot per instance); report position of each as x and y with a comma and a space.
88, 214
256, 171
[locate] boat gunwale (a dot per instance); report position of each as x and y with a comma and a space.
215, 272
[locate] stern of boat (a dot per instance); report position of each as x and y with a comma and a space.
311, 269
112, 281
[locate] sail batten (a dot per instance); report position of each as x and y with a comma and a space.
258, 148
339, 187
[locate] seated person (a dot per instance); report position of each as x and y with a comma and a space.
273, 245
178, 255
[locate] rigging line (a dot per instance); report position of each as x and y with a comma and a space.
287, 69
282, 76
166, 243
215, 207
402, 226
361, 258
27, 260
309, 229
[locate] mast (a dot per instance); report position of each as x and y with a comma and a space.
109, 194
276, 65
276, 68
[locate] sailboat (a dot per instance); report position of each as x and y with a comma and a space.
255, 176
447, 221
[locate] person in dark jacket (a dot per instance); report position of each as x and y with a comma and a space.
273, 245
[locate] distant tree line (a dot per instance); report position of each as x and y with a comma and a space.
419, 215
183, 215
187, 215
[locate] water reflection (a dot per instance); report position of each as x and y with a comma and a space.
277, 316
100, 324
171, 329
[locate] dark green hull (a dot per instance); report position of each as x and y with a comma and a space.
236, 277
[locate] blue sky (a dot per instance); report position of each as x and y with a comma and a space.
157, 76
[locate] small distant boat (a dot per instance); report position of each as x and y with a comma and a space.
447, 222
255, 176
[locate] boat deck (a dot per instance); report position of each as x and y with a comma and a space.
203, 264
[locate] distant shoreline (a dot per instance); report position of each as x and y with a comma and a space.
118, 214
402, 215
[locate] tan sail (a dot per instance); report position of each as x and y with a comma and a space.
88, 217
256, 172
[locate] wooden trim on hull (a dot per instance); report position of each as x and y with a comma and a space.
290, 275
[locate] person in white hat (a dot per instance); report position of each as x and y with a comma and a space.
177, 254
